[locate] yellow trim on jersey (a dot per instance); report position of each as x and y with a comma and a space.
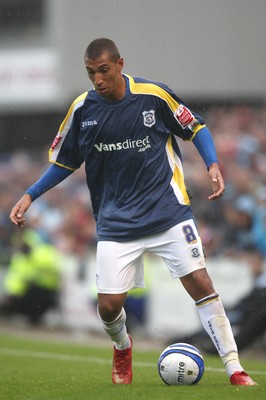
63, 130
62, 165
197, 129
153, 89
70, 111
178, 176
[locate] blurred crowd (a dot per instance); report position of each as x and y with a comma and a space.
234, 226
236, 223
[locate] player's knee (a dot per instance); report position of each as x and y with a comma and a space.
109, 308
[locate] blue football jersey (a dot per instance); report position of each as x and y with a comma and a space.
132, 159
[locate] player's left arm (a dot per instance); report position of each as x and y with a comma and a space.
204, 143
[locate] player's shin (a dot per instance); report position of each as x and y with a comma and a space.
122, 357
117, 330
217, 325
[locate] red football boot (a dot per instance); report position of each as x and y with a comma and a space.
122, 365
241, 378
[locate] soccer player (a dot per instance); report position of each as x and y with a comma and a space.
126, 130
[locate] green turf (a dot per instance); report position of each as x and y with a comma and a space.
32, 369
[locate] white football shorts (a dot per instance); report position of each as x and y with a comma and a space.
119, 265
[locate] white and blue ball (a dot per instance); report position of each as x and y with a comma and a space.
181, 364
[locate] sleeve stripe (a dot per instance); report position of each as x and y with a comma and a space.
76, 104
64, 128
177, 181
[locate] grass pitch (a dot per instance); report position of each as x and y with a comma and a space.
34, 369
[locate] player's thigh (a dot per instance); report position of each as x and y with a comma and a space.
181, 249
119, 266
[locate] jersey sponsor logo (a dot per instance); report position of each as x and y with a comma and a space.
185, 117
149, 118
140, 144
85, 124
56, 140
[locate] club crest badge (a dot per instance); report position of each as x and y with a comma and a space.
149, 118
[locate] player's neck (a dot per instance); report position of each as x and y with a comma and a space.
121, 89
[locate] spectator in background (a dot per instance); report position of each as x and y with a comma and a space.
259, 225
245, 238
239, 220
32, 280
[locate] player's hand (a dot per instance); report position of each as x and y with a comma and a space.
217, 182
19, 209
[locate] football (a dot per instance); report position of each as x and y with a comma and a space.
181, 364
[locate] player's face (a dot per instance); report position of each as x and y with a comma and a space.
106, 76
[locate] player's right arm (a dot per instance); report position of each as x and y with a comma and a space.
17, 213
63, 165
53, 175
